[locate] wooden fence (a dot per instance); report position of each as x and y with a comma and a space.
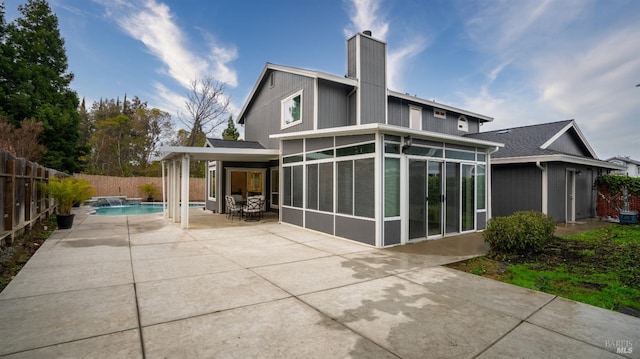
130, 186
23, 201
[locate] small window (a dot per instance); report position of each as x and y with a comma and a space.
212, 183
272, 79
292, 110
462, 124
438, 113
415, 118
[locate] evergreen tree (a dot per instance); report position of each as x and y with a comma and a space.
38, 85
231, 132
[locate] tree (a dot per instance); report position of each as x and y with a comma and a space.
124, 137
22, 141
37, 83
231, 132
206, 106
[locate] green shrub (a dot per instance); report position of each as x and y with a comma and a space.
520, 233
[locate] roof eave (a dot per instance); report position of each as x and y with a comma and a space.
557, 158
439, 105
386, 129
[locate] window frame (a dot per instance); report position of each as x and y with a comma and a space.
463, 124
439, 113
412, 110
211, 175
283, 111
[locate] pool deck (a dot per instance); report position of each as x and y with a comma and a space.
141, 287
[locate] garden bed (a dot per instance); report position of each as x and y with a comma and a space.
600, 267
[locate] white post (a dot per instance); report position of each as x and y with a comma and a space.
184, 217
164, 192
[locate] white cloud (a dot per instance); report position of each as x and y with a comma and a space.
365, 15
564, 68
167, 100
153, 24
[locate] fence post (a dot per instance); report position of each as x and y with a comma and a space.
9, 198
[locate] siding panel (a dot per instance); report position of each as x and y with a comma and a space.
333, 104
515, 188
356, 229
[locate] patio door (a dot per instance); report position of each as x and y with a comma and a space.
246, 181
425, 199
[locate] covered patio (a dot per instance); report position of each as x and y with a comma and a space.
176, 162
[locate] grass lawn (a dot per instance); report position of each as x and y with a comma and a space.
600, 267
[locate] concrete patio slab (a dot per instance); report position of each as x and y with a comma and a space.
178, 267
167, 300
280, 329
257, 256
338, 246
242, 240
530, 341
295, 234
508, 299
397, 262
599, 327
317, 274
228, 232
54, 279
173, 235
124, 344
63, 254
35, 322
169, 250
411, 321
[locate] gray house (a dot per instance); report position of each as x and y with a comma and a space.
548, 167
346, 156
632, 167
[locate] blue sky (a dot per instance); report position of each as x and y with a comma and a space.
521, 62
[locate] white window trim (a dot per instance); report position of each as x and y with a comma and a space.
465, 127
437, 115
285, 100
212, 167
419, 109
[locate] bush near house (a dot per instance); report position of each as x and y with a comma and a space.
519, 233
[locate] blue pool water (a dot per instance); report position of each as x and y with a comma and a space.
133, 209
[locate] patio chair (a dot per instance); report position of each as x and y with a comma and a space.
253, 209
232, 208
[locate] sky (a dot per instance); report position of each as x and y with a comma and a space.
521, 62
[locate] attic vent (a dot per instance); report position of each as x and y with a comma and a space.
503, 132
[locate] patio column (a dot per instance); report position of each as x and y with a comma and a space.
164, 192
175, 195
184, 217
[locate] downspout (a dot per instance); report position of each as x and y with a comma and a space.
545, 188
489, 181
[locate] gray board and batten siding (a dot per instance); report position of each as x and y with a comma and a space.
570, 143
333, 104
399, 115
373, 87
520, 189
263, 117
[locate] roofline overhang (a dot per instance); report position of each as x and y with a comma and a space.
386, 129
566, 128
217, 154
557, 158
624, 159
439, 105
296, 71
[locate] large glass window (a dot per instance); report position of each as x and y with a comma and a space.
312, 186
468, 208
212, 183
481, 180
345, 187
391, 187
364, 188
292, 110
325, 184
298, 184
286, 186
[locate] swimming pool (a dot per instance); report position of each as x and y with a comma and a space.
133, 209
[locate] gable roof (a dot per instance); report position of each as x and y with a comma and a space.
534, 143
292, 70
345, 81
218, 143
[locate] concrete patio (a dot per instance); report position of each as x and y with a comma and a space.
139, 286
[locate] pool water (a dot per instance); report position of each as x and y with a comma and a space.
128, 210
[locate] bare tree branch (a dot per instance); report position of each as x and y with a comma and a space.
207, 107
